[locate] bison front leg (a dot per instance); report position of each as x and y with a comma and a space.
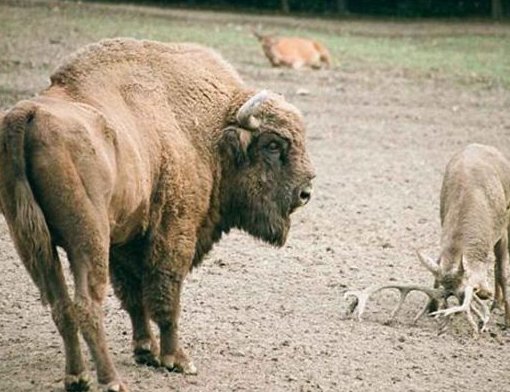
162, 288
168, 260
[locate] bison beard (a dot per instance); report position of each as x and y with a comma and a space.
267, 220
135, 163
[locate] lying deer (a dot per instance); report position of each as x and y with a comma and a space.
294, 52
474, 209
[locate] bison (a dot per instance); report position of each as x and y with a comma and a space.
135, 161
294, 52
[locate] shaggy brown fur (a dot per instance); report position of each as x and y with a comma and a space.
475, 201
294, 52
135, 160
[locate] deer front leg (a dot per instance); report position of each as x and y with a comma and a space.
501, 276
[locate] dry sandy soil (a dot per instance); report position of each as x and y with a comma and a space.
259, 319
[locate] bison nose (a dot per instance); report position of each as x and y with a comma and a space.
305, 195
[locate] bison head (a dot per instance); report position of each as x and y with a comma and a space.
266, 170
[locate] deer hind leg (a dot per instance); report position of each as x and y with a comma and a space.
63, 314
501, 276
125, 272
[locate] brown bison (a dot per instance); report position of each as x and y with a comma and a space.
136, 159
294, 52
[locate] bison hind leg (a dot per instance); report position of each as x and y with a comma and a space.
125, 274
63, 314
72, 192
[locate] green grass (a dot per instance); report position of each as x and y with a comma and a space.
34, 37
468, 57
474, 57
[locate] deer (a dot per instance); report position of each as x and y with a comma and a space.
475, 220
294, 52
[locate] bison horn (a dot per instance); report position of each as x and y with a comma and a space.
246, 116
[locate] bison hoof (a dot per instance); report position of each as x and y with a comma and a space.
115, 386
77, 383
179, 363
144, 356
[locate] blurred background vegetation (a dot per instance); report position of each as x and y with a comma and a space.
405, 8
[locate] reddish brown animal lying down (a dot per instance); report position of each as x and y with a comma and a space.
135, 161
294, 52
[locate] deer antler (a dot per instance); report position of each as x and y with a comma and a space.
471, 303
362, 297
484, 314
468, 305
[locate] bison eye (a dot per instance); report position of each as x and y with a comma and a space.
273, 147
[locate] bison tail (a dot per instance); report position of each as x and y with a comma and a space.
27, 224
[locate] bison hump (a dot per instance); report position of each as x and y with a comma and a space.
99, 62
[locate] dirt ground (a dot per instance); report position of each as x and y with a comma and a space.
259, 319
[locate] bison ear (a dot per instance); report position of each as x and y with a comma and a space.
235, 142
